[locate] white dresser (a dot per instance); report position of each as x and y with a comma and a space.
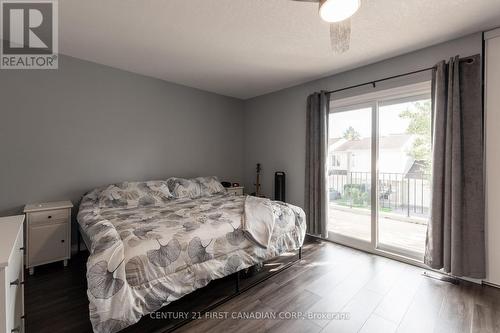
11, 275
48, 233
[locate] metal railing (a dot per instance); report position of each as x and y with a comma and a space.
407, 194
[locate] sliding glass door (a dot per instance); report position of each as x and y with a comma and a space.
349, 173
379, 165
404, 170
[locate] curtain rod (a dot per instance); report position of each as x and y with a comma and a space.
373, 83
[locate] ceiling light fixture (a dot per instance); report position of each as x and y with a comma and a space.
338, 13
338, 10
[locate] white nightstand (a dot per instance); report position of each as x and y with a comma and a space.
235, 190
48, 233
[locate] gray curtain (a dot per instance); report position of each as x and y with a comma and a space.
316, 200
455, 236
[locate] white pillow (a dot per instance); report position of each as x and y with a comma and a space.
210, 185
194, 188
135, 194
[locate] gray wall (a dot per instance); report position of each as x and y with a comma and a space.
64, 132
275, 123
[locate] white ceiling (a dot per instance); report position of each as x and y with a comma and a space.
245, 48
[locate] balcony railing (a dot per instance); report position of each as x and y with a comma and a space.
407, 194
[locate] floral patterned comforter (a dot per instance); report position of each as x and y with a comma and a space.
144, 258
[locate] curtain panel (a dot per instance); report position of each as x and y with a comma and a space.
455, 236
316, 199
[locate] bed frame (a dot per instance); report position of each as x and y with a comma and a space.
237, 290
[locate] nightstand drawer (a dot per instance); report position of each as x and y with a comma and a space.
48, 243
235, 190
49, 216
48, 233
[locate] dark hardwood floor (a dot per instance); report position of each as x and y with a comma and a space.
378, 294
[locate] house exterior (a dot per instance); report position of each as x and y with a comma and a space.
355, 155
401, 184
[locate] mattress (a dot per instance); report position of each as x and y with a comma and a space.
143, 258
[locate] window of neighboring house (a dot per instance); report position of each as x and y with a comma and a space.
335, 160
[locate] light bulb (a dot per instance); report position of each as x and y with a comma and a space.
338, 10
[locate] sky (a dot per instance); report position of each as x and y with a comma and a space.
360, 120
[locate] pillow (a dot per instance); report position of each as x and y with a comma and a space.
184, 188
194, 188
210, 185
135, 194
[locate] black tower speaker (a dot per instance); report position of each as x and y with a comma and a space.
279, 186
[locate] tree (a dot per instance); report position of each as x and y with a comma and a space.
351, 134
420, 126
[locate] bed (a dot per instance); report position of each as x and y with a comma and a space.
151, 243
